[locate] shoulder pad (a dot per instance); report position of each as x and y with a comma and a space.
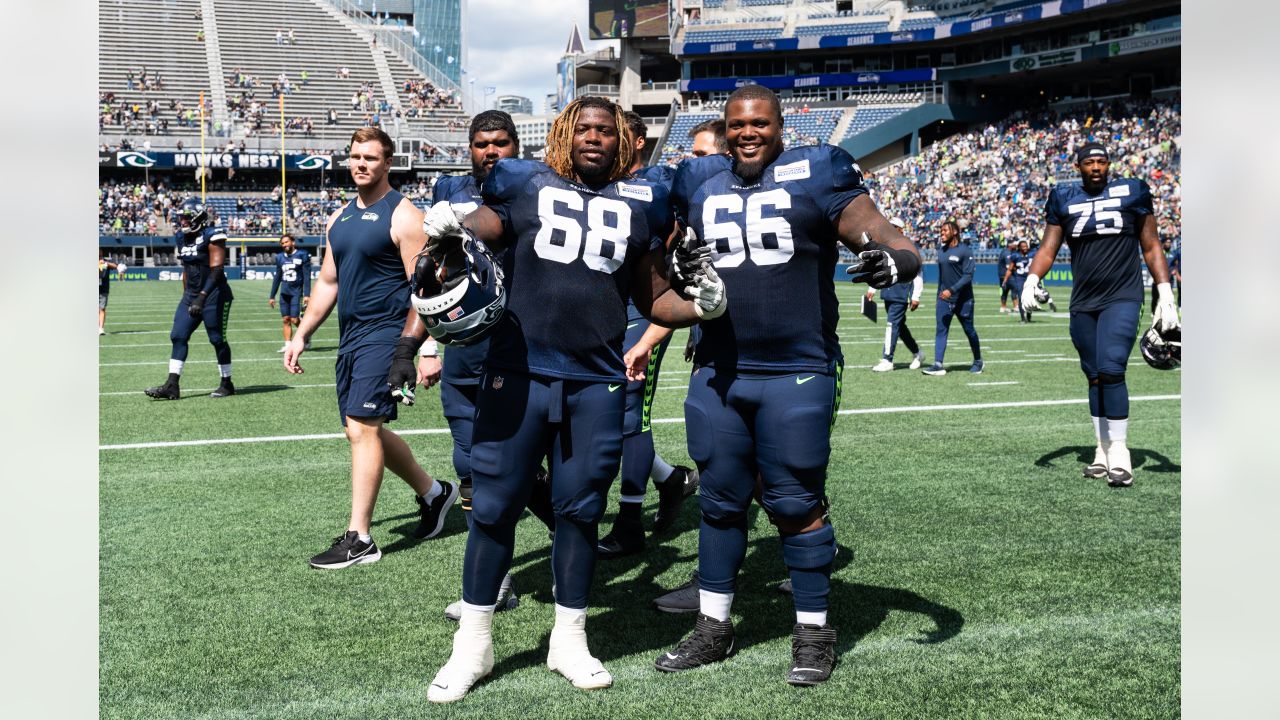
215, 233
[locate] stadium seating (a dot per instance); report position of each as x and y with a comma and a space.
842, 28
733, 35
868, 116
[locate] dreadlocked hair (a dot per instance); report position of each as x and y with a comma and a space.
560, 138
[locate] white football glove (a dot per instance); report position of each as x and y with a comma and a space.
1029, 293
687, 258
1165, 317
440, 222
707, 292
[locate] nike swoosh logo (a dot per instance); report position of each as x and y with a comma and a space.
801, 381
672, 657
359, 554
442, 687
614, 387
346, 218
632, 325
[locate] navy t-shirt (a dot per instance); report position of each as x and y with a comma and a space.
775, 247
373, 287
955, 271
462, 365
1103, 233
570, 261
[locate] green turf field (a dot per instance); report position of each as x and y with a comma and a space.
979, 574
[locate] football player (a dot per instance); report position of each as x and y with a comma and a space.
765, 385
644, 346
1002, 267
206, 298
898, 300
1016, 276
955, 298
1042, 292
582, 239
1107, 224
708, 138
105, 267
370, 247
492, 137
293, 279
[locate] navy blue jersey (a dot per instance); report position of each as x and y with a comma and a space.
373, 287
571, 258
1102, 231
955, 271
1021, 263
293, 273
462, 365
104, 279
193, 251
775, 246
662, 175
1002, 262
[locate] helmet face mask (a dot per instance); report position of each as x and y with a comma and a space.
460, 297
193, 217
1162, 351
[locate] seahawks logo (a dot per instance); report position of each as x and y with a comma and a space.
314, 162
135, 159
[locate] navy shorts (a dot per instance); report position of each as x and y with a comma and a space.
521, 419
640, 392
362, 386
777, 425
290, 305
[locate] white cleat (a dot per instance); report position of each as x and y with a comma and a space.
570, 657
883, 366
472, 659
916, 361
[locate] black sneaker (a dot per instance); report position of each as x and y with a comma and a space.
626, 538
681, 484
432, 513
813, 654
683, 599
167, 391
347, 550
711, 641
225, 389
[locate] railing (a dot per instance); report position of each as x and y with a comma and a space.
602, 90
660, 86
388, 37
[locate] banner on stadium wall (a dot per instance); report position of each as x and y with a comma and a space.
1147, 42
807, 81
248, 160
1045, 60
173, 273
1059, 275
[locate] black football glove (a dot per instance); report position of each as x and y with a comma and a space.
878, 266
196, 308
686, 259
403, 376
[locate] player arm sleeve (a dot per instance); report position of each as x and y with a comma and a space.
275, 279
306, 276
845, 181
917, 286
216, 271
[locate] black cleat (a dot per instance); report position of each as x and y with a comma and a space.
683, 599
431, 514
167, 391
1119, 477
225, 389
681, 484
1095, 471
347, 550
711, 641
813, 654
626, 538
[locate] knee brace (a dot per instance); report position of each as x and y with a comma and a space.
810, 550
464, 492
718, 514
1108, 379
799, 522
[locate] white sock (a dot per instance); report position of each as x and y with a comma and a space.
225, 370
715, 605
467, 607
434, 492
811, 618
175, 366
567, 615
661, 469
365, 537
1117, 432
1097, 429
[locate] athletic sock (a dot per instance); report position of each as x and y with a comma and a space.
225, 370
567, 614
661, 470
467, 607
629, 511
434, 491
365, 537
1115, 432
715, 605
175, 368
811, 618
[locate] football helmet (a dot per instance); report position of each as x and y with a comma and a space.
1162, 350
460, 296
1042, 295
193, 216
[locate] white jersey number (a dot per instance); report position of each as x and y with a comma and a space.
731, 246
608, 227
1102, 212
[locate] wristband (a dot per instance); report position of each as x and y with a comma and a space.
429, 348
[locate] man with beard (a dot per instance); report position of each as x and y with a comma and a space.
766, 379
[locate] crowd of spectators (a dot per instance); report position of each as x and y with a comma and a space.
994, 181
135, 208
422, 99
147, 117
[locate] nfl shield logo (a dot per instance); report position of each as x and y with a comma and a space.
455, 313
497, 382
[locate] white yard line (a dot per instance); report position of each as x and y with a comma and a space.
1002, 382
200, 391
445, 431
